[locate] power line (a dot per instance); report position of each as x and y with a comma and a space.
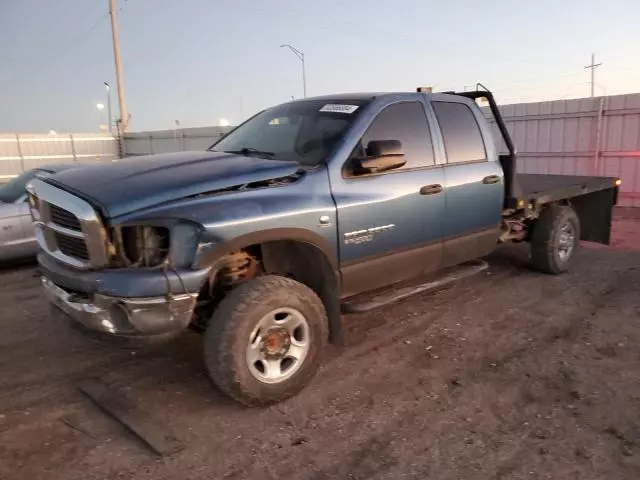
68, 42
364, 32
44, 33
413, 39
86, 31
358, 26
333, 26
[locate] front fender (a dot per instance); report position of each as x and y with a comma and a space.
236, 219
209, 253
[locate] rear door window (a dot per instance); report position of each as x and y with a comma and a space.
462, 138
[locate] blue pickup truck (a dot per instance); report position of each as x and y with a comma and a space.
261, 240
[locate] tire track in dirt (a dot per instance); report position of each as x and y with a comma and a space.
384, 407
483, 289
478, 371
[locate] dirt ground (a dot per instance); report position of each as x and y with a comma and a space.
507, 375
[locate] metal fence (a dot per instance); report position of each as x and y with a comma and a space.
21, 152
164, 141
589, 136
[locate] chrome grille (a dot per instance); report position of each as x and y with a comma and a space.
67, 227
73, 247
61, 217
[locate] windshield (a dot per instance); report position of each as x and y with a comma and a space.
303, 131
15, 188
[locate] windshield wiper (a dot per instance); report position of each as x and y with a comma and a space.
250, 150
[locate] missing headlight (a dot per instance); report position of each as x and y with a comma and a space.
142, 246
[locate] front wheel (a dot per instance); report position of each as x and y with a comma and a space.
555, 239
264, 341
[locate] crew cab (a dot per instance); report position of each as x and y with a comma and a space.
258, 241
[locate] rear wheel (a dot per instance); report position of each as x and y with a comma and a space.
264, 341
555, 239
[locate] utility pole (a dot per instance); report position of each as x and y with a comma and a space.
122, 104
593, 67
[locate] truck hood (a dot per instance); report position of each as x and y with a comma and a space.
141, 182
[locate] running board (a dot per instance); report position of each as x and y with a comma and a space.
457, 273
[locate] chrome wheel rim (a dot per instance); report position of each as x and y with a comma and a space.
278, 345
566, 241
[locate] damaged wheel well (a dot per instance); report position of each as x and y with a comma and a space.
298, 260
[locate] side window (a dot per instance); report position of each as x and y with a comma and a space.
462, 138
406, 122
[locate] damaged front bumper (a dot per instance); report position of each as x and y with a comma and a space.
130, 317
133, 303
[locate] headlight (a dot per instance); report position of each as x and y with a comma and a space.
142, 246
149, 246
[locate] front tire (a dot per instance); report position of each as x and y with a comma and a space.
264, 342
555, 239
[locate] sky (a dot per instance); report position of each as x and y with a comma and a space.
201, 61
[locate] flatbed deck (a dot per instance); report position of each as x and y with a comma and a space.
544, 188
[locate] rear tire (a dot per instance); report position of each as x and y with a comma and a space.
264, 341
555, 239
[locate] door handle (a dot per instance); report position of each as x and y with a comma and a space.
491, 179
431, 189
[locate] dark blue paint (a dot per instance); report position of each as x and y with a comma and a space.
472, 205
163, 187
231, 215
136, 183
124, 282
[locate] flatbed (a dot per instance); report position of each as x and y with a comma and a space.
592, 199
545, 188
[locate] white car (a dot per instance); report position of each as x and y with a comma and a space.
17, 237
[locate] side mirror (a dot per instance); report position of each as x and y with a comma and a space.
382, 155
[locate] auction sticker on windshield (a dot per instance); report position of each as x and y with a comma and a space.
336, 108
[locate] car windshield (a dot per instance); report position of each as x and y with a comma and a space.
302, 131
15, 188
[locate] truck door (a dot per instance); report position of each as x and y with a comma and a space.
390, 223
474, 186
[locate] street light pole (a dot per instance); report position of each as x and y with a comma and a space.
300, 56
108, 87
